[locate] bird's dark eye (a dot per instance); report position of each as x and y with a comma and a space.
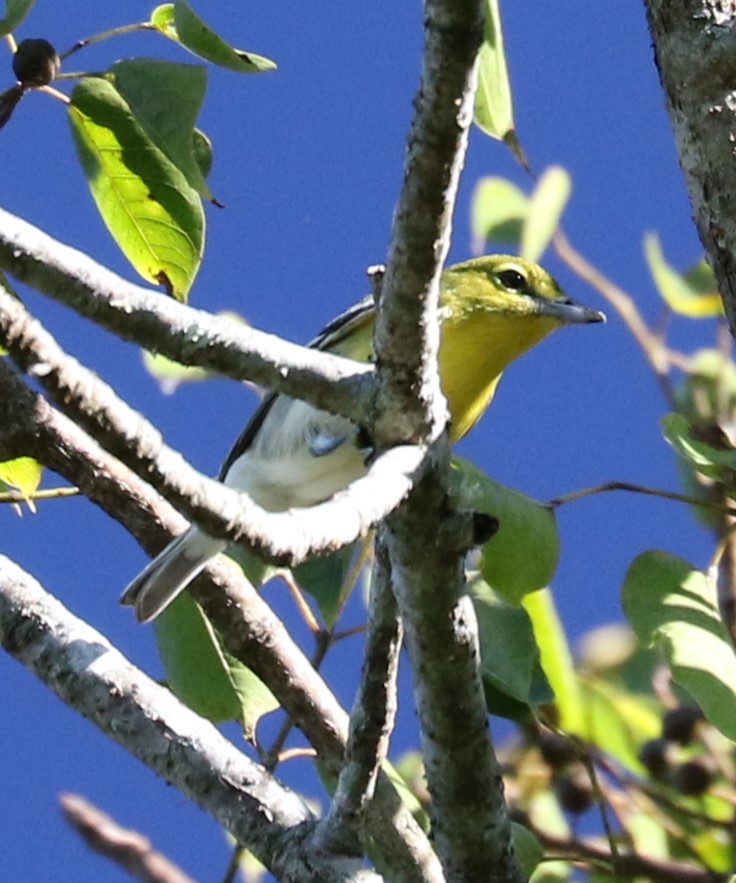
512, 279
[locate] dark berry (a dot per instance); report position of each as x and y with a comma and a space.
574, 790
692, 778
556, 750
655, 756
680, 724
36, 63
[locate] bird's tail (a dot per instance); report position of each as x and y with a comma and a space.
170, 572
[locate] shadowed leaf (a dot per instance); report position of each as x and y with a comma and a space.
179, 22
15, 12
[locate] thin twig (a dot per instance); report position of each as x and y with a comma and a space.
54, 93
88, 674
248, 627
106, 35
191, 337
659, 356
128, 849
371, 720
46, 494
629, 864
638, 489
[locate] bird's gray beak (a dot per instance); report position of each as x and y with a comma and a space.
570, 313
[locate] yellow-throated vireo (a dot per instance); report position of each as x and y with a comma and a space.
492, 309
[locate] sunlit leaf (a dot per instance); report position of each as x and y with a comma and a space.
170, 374
23, 474
545, 814
497, 212
165, 99
688, 298
674, 606
15, 12
522, 556
179, 22
715, 848
162, 18
557, 661
647, 834
494, 110
553, 872
202, 674
545, 208
252, 871
147, 204
617, 721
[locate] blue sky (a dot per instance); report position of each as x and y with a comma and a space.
308, 162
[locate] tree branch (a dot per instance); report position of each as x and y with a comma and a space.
248, 628
284, 537
630, 865
192, 337
87, 673
371, 721
694, 51
130, 850
471, 828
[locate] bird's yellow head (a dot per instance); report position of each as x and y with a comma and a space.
494, 309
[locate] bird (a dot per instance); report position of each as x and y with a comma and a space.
492, 309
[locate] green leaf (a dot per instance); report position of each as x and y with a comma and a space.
508, 651
497, 212
647, 834
202, 675
256, 570
494, 110
716, 463
687, 296
715, 848
553, 872
254, 697
528, 849
556, 659
202, 151
165, 99
147, 204
323, 577
617, 721
178, 22
522, 556
162, 18
170, 374
15, 12
700, 277
23, 474
544, 212
672, 605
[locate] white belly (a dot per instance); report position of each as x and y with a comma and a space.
279, 471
